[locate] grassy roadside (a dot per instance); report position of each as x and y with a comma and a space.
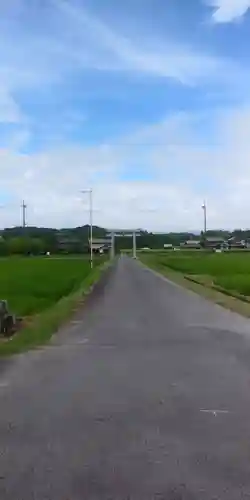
43, 325
202, 287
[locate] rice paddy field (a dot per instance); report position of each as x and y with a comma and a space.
32, 285
229, 270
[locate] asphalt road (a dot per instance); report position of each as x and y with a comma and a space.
145, 395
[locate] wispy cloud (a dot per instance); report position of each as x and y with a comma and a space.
75, 40
227, 11
64, 41
9, 109
109, 50
184, 169
169, 165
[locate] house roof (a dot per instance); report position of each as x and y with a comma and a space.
236, 240
100, 241
68, 241
215, 239
98, 246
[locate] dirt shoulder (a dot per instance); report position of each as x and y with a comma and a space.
204, 289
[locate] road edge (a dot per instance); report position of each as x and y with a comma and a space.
47, 323
217, 297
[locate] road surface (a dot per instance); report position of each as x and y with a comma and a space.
145, 395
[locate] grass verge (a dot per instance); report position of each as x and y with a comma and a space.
42, 326
201, 286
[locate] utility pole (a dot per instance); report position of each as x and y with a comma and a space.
24, 207
90, 193
112, 252
134, 244
91, 226
204, 207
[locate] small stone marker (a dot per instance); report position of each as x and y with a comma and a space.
7, 320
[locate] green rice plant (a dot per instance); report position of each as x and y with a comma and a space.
236, 283
32, 285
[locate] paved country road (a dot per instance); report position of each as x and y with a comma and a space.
145, 395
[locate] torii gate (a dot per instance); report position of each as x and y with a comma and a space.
123, 232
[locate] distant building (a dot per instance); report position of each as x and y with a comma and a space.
68, 243
214, 242
191, 244
100, 245
235, 243
168, 245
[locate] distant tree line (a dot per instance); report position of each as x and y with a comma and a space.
39, 240
157, 241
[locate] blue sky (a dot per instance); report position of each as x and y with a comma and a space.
146, 101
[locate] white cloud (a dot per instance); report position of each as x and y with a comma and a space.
36, 55
184, 169
227, 11
74, 40
18, 140
9, 109
99, 46
179, 162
